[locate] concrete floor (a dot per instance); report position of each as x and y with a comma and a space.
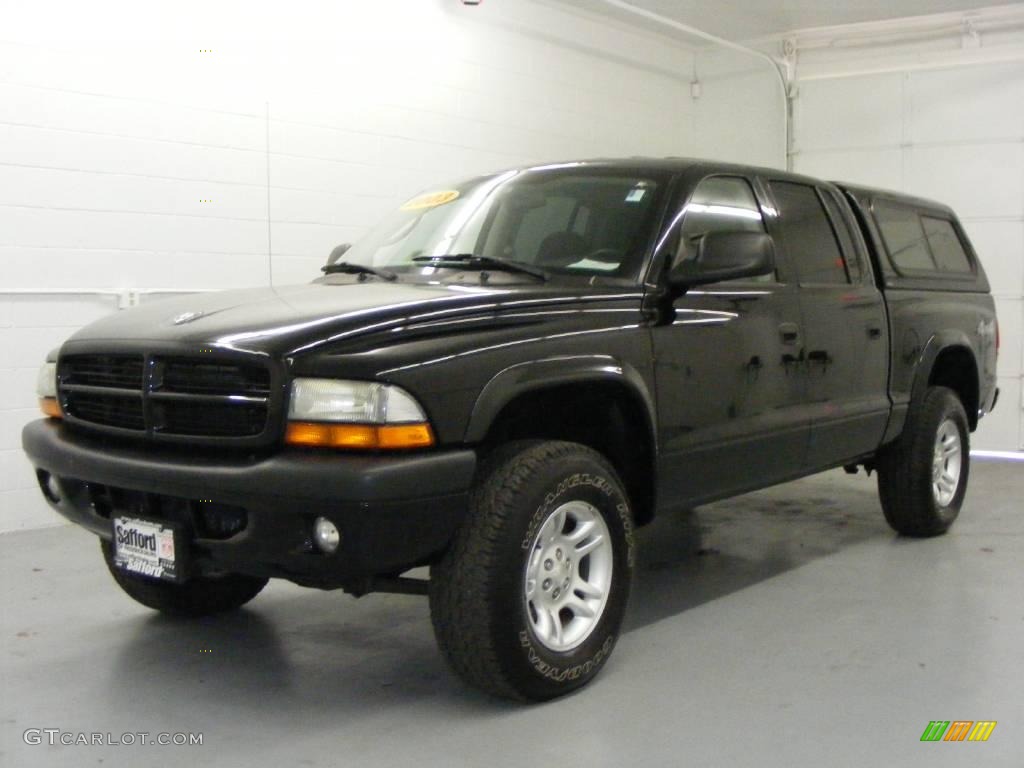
784, 628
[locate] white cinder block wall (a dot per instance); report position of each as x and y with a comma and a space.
940, 115
300, 123
739, 114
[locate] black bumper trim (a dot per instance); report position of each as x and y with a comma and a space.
295, 475
394, 511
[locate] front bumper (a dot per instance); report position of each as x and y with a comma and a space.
394, 512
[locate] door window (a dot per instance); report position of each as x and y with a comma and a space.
808, 235
841, 225
719, 204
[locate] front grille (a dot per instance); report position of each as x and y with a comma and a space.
120, 371
110, 410
201, 377
214, 419
173, 396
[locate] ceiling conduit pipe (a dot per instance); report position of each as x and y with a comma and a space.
777, 67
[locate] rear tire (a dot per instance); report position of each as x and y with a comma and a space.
922, 477
199, 596
528, 601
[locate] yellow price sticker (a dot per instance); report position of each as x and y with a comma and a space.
430, 200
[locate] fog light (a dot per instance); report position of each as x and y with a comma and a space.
326, 535
49, 485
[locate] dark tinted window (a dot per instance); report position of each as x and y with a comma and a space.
904, 236
719, 204
945, 244
573, 220
808, 235
846, 240
587, 224
553, 215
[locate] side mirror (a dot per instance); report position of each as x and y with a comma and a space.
726, 256
337, 253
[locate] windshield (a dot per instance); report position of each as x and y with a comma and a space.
569, 219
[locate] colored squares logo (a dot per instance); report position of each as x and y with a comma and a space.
958, 730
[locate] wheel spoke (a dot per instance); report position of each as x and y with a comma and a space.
556, 624
588, 590
543, 624
557, 523
589, 545
581, 531
534, 565
579, 608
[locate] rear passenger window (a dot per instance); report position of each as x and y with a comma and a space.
946, 246
808, 235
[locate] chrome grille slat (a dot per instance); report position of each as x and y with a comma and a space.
94, 389
186, 397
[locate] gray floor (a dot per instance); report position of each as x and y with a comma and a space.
787, 627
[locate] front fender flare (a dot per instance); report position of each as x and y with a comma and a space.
554, 371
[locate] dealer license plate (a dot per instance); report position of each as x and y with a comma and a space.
148, 548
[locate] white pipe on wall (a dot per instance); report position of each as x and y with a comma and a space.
777, 67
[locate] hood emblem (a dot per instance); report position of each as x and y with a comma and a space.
187, 317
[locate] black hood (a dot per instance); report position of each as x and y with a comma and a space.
293, 319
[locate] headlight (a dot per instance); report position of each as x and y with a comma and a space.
46, 389
356, 402
355, 414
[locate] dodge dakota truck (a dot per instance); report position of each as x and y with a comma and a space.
508, 376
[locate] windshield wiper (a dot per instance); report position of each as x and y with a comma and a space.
471, 261
348, 268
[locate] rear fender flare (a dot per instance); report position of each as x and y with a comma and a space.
934, 347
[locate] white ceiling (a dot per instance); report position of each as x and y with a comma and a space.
749, 19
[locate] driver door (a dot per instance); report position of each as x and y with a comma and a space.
731, 387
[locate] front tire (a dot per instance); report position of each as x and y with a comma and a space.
528, 601
922, 477
199, 596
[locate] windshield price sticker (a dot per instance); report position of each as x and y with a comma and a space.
430, 200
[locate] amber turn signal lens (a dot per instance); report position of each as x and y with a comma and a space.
359, 436
50, 407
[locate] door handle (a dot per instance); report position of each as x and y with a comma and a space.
819, 356
789, 333
788, 359
874, 332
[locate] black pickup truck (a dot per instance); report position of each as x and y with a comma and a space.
507, 377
